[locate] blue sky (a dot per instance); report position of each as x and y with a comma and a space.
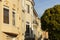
42, 5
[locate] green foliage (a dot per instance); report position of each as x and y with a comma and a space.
51, 22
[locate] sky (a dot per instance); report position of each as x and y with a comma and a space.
42, 5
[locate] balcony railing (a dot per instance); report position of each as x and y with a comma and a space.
29, 34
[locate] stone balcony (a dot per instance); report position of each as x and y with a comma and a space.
10, 29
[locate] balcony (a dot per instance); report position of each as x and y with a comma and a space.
9, 29
29, 35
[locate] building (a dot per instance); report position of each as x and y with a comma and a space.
37, 26
10, 23
19, 20
27, 19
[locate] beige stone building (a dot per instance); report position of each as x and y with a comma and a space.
37, 26
10, 20
19, 20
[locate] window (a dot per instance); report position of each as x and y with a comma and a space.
13, 18
27, 28
6, 16
28, 8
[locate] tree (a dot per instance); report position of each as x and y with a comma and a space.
50, 22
